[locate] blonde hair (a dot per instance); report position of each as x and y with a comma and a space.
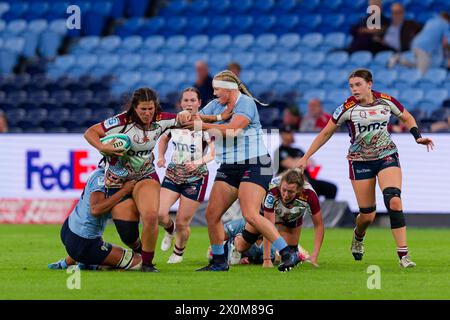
294, 176
227, 75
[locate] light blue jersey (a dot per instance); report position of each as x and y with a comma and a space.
81, 221
249, 143
430, 37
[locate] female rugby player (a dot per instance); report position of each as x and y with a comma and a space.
372, 155
245, 171
186, 177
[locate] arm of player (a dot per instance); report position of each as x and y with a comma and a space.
318, 236
267, 261
225, 115
101, 205
232, 129
408, 120
318, 142
93, 135
162, 148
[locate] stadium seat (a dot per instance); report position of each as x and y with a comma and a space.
411, 96
57, 116
312, 40
15, 115
86, 45
245, 59
15, 28
288, 41
129, 27
193, 58
196, 43
219, 43
360, 59
290, 78
436, 95
137, 8
407, 79
242, 43
267, 78
331, 22
152, 79
313, 77
315, 94
334, 40
86, 61
248, 76
35, 116
102, 114
15, 44
433, 78
338, 96
240, 7
312, 59
386, 77
174, 61
265, 42
108, 44
152, 44
263, 24
265, 60
174, 8
309, 23
16, 11
336, 78
288, 60
381, 59
336, 59
80, 115
152, 27
175, 77
17, 97
285, 24
196, 25
61, 95
220, 25
241, 24
130, 44
218, 7
199, 7
174, 26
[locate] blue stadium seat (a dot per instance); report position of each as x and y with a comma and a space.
289, 60
152, 26
58, 116
284, 6
266, 78
240, 7
219, 43
58, 26
64, 62
336, 59
353, 5
268, 115
15, 27
262, 7
130, 27
4, 7
336, 78
436, 95
15, 44
2, 25
174, 44
288, 42
286, 23
35, 116
86, 61
152, 79
219, 60
15, 115
108, 44
95, 18
153, 61
334, 40
338, 96
290, 78
61, 95
38, 96
174, 26
220, 25
199, 7
174, 8
245, 59
315, 94
217, 7
80, 115
49, 43
16, 11
130, 60
309, 23
241, 24
361, 58
174, 61
17, 97
175, 77
152, 44
386, 77
263, 24
411, 96
36, 10
196, 43
265, 60
196, 25
137, 8
312, 40
242, 42
193, 58
83, 96
130, 44
86, 45
312, 59
331, 22
433, 78
102, 114
381, 59
248, 76
265, 42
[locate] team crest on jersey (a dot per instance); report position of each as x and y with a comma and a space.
112, 122
385, 110
363, 114
101, 180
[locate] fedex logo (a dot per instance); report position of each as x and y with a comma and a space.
66, 176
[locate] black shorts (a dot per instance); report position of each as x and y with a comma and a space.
88, 251
111, 191
256, 170
360, 170
195, 190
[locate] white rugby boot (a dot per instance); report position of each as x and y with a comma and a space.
405, 262
174, 258
167, 242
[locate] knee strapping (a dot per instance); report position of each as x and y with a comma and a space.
368, 210
396, 217
249, 237
128, 231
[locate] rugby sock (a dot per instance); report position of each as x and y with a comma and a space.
359, 237
402, 251
137, 247
294, 248
178, 251
171, 228
218, 253
280, 245
147, 257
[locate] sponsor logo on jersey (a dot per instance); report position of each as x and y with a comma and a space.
101, 180
385, 96
372, 112
112, 122
338, 111
349, 104
269, 200
372, 126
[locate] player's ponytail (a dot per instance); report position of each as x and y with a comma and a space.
229, 76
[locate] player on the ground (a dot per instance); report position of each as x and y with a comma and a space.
186, 177
82, 231
290, 197
245, 171
372, 155
143, 122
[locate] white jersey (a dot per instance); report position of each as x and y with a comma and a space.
188, 145
367, 125
138, 162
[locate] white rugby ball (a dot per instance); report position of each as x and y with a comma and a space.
122, 141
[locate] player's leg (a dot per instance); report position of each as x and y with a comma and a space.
120, 258
168, 196
126, 219
146, 196
63, 263
251, 195
390, 183
221, 198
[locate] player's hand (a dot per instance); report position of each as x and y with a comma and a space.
108, 149
190, 166
129, 186
267, 264
195, 123
161, 163
184, 116
227, 114
426, 141
313, 261
301, 163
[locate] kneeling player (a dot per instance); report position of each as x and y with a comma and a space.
82, 231
289, 198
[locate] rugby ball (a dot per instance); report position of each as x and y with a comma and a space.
122, 141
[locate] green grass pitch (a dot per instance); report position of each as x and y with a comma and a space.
27, 249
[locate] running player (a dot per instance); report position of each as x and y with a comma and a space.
186, 177
245, 171
372, 155
144, 123
290, 197
82, 231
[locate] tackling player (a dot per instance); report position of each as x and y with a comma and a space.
372, 155
82, 231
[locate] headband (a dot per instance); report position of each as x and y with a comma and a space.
225, 84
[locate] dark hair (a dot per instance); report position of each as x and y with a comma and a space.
234, 65
141, 95
294, 176
445, 15
191, 89
361, 73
